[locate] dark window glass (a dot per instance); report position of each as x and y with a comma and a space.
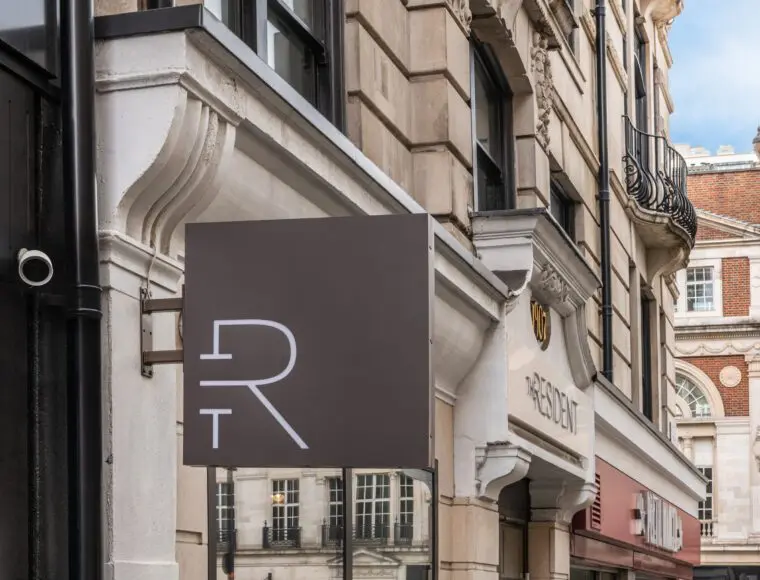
640, 81
647, 394
300, 39
31, 27
562, 209
492, 104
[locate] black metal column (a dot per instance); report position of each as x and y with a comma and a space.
348, 523
83, 329
604, 187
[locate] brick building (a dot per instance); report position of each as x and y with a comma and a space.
718, 370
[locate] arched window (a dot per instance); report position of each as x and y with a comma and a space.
694, 397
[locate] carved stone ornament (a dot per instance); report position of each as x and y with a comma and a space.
552, 283
461, 9
543, 85
730, 376
756, 448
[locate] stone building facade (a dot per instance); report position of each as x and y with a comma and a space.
718, 369
484, 115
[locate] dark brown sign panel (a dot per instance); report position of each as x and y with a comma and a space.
308, 343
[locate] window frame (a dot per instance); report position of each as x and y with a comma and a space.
248, 19
704, 284
682, 313
335, 492
640, 80
501, 125
376, 523
291, 510
693, 386
703, 509
566, 219
647, 357
225, 509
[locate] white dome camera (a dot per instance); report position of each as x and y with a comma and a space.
35, 268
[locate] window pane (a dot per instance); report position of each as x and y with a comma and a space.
289, 58
482, 113
304, 9
30, 26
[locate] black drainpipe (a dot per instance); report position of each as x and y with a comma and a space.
604, 188
85, 453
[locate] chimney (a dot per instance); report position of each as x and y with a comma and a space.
756, 144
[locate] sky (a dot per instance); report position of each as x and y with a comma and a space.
715, 79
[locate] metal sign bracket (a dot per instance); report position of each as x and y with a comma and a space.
150, 357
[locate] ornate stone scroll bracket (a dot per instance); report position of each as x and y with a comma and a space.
543, 86
461, 9
551, 282
558, 500
497, 466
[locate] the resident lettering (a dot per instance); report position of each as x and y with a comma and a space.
553, 403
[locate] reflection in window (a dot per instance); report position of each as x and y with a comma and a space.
225, 510
373, 506
699, 289
694, 397
285, 510
31, 27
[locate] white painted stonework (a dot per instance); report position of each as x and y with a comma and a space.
187, 133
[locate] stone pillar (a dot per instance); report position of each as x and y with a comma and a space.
474, 540
754, 293
549, 530
753, 369
688, 448
140, 420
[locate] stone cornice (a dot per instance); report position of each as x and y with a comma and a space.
528, 245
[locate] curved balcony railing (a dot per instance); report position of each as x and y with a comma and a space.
655, 176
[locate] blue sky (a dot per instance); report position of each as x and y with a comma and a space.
715, 79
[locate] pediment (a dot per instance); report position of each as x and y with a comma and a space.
731, 228
368, 558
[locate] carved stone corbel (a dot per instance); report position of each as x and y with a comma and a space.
497, 466
461, 9
543, 86
559, 500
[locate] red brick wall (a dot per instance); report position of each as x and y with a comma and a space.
735, 399
736, 289
707, 233
734, 194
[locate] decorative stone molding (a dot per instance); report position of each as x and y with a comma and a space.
543, 86
461, 9
550, 282
559, 500
617, 63
704, 382
544, 21
723, 346
497, 466
730, 376
756, 448
528, 244
663, 11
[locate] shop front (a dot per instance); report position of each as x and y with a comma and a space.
631, 530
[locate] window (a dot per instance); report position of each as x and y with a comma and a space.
705, 508
647, 390
372, 506
405, 525
694, 397
300, 39
492, 106
699, 289
285, 509
562, 209
640, 80
335, 502
225, 510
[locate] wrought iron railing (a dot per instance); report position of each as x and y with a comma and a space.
332, 534
281, 537
707, 528
374, 534
655, 176
403, 534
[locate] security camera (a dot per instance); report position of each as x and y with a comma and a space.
35, 268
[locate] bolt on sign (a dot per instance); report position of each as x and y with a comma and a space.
307, 343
